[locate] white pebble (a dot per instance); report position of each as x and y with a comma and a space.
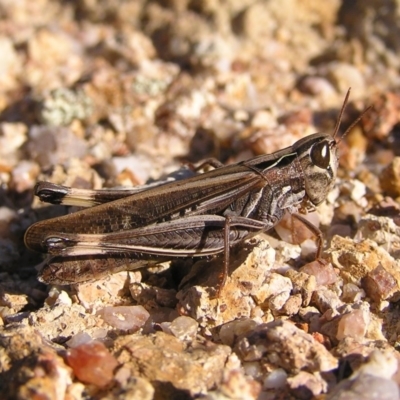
184, 328
125, 317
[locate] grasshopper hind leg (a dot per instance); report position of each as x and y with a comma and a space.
80, 269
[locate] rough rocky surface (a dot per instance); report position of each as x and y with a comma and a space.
104, 93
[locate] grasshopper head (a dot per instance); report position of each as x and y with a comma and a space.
319, 162
319, 159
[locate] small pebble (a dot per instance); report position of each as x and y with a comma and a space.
366, 387
78, 340
276, 379
325, 299
379, 284
92, 363
390, 178
352, 293
184, 328
353, 324
324, 273
233, 329
274, 285
125, 317
373, 380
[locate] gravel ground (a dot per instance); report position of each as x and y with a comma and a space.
99, 93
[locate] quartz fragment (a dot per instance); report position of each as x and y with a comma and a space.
277, 379
353, 324
324, 273
184, 328
79, 339
379, 284
130, 318
92, 363
352, 293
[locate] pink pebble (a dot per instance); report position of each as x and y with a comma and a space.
92, 363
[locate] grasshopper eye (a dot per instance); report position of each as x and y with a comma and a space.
320, 155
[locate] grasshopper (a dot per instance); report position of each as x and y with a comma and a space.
198, 216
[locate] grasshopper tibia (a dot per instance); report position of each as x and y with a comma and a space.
319, 238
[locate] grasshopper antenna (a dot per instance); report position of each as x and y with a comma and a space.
353, 124
339, 119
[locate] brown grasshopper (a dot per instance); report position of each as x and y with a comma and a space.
199, 216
